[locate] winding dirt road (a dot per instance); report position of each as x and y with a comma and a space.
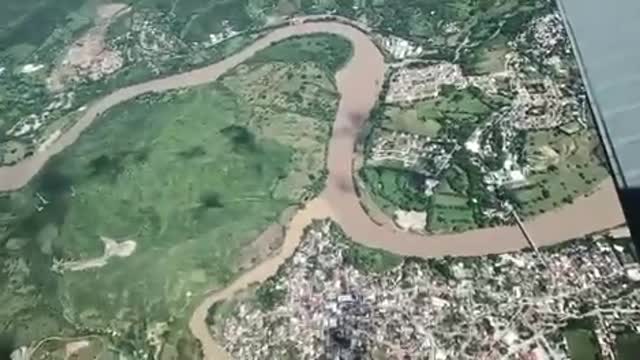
359, 84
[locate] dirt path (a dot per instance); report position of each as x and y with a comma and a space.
359, 84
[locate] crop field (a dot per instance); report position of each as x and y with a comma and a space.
452, 101
191, 176
567, 167
449, 210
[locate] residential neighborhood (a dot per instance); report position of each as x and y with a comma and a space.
329, 300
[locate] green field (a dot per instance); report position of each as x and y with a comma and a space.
582, 344
466, 104
450, 200
392, 188
565, 167
451, 220
450, 211
329, 50
192, 176
410, 120
363, 258
628, 346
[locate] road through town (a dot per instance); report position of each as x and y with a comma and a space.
359, 84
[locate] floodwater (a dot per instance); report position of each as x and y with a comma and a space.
359, 84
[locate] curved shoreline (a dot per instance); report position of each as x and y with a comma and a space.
359, 84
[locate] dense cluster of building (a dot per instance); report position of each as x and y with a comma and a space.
511, 306
409, 84
412, 151
400, 48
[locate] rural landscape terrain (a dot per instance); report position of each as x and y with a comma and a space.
160, 157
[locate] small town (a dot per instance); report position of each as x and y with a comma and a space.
513, 306
439, 118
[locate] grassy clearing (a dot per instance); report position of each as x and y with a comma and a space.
567, 167
449, 210
454, 102
582, 344
450, 200
628, 346
446, 219
289, 103
193, 176
410, 120
456, 113
491, 60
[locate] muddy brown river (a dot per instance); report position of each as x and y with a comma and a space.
359, 84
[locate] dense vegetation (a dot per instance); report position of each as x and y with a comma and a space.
332, 51
192, 176
363, 258
269, 296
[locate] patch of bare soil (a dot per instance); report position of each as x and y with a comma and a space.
74, 347
89, 56
111, 248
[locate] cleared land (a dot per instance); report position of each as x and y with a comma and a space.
564, 167
193, 176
